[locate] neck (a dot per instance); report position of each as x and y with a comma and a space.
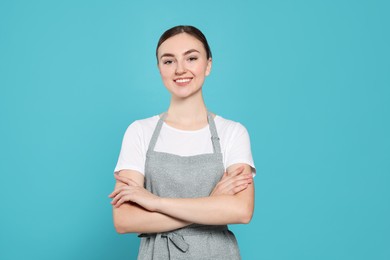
187, 112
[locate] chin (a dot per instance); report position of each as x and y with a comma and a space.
180, 96
185, 94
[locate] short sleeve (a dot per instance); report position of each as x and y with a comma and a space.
239, 149
131, 156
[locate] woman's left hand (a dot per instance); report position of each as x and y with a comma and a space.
132, 192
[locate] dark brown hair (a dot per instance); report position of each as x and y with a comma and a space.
191, 30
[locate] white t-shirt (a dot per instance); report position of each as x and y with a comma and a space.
234, 140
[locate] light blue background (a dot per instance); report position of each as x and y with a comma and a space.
309, 79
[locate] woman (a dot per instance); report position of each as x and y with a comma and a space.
172, 186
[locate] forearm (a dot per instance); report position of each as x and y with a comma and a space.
131, 218
213, 210
150, 213
217, 210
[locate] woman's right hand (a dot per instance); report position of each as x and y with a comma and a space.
232, 183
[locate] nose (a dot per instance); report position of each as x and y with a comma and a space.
180, 68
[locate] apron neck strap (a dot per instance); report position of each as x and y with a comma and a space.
156, 132
214, 133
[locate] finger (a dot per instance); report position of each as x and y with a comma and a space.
120, 192
224, 176
125, 180
119, 196
122, 179
239, 183
239, 188
229, 185
231, 179
123, 200
112, 194
116, 198
237, 171
241, 176
117, 190
226, 184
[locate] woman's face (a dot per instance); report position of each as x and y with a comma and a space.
183, 65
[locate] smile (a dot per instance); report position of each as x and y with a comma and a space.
182, 80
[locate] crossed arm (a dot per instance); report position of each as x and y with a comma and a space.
136, 210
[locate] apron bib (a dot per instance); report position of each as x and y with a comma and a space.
174, 176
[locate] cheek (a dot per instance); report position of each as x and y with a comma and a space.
164, 72
166, 76
199, 70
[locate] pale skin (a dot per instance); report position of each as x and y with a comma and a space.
183, 66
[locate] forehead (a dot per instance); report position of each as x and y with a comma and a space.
179, 44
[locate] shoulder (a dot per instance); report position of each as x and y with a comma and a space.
143, 125
147, 122
228, 126
235, 142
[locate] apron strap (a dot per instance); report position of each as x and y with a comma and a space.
213, 131
176, 237
156, 132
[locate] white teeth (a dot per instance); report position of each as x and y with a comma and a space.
182, 80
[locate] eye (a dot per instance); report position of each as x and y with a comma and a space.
167, 62
192, 58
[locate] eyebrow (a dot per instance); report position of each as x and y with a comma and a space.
185, 53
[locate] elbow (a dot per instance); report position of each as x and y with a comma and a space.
119, 226
124, 226
126, 221
120, 229
118, 223
246, 215
246, 218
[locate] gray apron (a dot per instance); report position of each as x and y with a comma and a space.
175, 176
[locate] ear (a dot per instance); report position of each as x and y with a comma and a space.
208, 68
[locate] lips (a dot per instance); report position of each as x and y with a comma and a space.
182, 81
